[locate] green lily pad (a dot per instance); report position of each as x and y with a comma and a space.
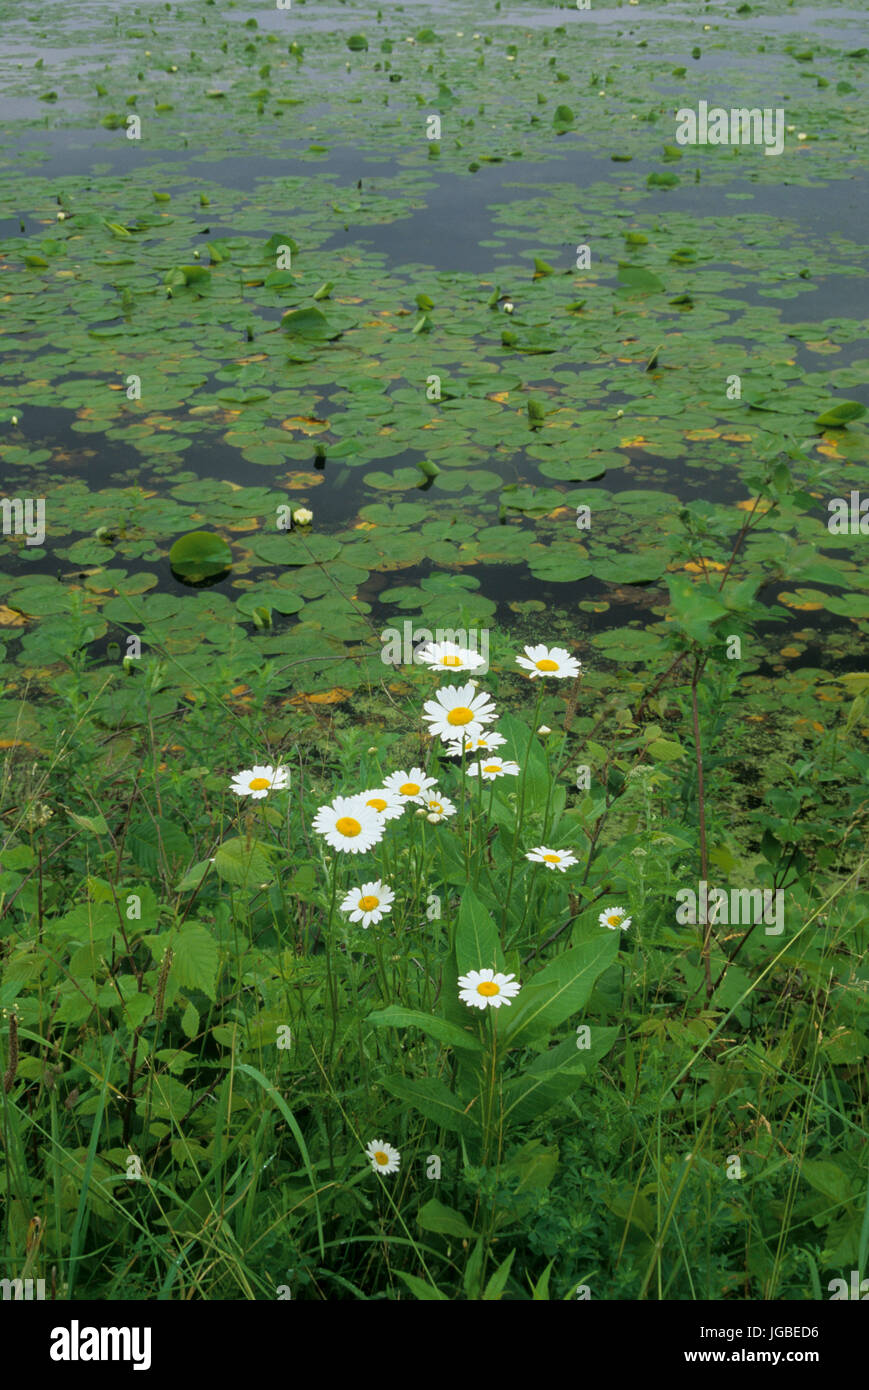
200, 555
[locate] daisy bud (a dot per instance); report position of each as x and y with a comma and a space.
431, 816
422, 812
544, 729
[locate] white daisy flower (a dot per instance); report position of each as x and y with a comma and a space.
386, 803
458, 711
481, 989
384, 1158
549, 661
409, 786
259, 781
348, 824
438, 808
560, 859
368, 903
615, 917
449, 657
490, 768
488, 739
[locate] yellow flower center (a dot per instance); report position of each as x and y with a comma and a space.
451, 661
614, 919
349, 826
409, 789
258, 784
381, 1157
552, 858
492, 767
377, 803
547, 665
435, 806
460, 715
488, 988
368, 902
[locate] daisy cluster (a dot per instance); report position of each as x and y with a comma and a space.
460, 716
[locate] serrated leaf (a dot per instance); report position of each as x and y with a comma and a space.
195, 958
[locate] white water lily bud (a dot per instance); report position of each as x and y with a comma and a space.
61, 217
801, 135
508, 307
302, 517
619, 414
15, 419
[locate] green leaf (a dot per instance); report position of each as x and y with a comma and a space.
637, 278
477, 943
495, 1287
188, 275
435, 1101
420, 1288
553, 1076
200, 555
434, 1216
95, 824
243, 862
841, 414
195, 958
137, 1008
438, 1028
561, 988
306, 323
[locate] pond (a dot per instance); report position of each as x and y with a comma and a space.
324, 323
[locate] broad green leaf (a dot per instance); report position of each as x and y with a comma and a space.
434, 1216
447, 1033
421, 1289
560, 988
553, 1076
244, 862
477, 943
497, 1283
195, 958
95, 824
435, 1101
200, 555
841, 414
637, 278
